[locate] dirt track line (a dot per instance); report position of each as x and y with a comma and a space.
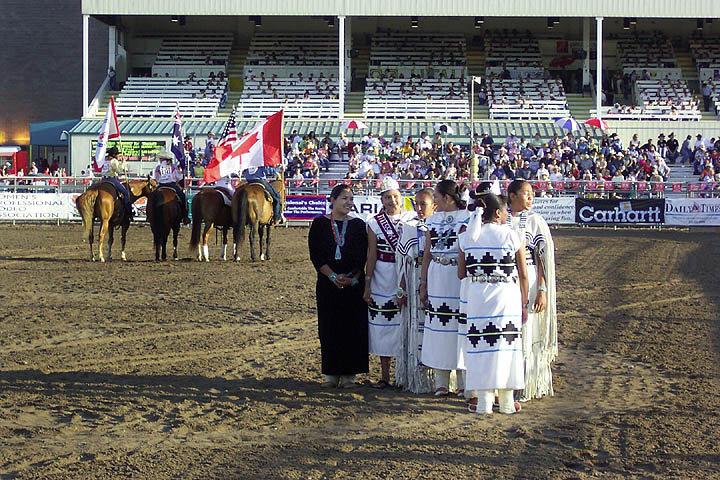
656, 302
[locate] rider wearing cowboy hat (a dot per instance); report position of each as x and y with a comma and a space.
167, 174
112, 167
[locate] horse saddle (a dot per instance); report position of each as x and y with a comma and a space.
169, 189
118, 192
268, 197
226, 195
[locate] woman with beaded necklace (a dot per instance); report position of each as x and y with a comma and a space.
440, 287
338, 249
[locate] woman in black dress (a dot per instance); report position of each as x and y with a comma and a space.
338, 250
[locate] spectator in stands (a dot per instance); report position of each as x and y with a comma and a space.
707, 95
672, 148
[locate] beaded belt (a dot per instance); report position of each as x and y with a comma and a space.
492, 278
386, 257
445, 259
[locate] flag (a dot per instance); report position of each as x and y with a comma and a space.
261, 146
109, 130
177, 147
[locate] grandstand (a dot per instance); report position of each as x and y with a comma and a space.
518, 85
408, 74
293, 72
417, 76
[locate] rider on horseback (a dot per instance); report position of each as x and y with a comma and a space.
169, 175
257, 175
112, 167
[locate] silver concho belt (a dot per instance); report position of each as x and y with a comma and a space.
492, 278
445, 259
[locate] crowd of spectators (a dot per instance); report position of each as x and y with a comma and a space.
560, 158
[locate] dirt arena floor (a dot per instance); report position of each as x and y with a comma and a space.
194, 370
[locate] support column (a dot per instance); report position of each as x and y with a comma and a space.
341, 65
112, 46
598, 75
586, 49
348, 49
86, 64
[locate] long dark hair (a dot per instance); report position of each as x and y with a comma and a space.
337, 191
449, 187
490, 203
484, 188
515, 186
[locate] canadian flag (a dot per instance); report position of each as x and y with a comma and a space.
261, 146
109, 130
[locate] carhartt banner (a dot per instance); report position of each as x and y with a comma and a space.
619, 212
690, 212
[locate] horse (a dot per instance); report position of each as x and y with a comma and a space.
164, 213
251, 206
208, 206
101, 201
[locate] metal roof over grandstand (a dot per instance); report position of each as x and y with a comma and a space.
427, 8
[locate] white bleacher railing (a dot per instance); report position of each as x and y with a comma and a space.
399, 108
302, 108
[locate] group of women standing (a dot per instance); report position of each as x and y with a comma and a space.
448, 288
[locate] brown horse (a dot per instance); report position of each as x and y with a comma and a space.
208, 206
250, 206
101, 201
164, 213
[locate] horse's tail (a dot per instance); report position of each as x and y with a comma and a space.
197, 220
85, 204
240, 214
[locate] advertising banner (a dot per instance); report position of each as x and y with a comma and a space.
590, 211
305, 207
692, 211
36, 206
555, 210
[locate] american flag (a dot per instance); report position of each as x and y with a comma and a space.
228, 139
177, 147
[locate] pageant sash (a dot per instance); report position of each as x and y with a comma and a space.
388, 229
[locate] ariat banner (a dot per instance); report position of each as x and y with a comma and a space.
619, 212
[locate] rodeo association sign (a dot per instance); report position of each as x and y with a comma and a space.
619, 212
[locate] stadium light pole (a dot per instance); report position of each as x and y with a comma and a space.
598, 66
85, 68
341, 65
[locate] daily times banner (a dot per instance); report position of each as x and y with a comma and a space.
692, 211
619, 212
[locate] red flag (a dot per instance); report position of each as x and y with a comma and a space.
262, 146
332, 183
609, 185
624, 185
559, 185
642, 186
658, 187
677, 187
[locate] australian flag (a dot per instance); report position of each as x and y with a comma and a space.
177, 143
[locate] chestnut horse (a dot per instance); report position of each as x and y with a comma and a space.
209, 206
164, 213
250, 206
101, 201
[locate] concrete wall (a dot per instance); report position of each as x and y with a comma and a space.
41, 64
